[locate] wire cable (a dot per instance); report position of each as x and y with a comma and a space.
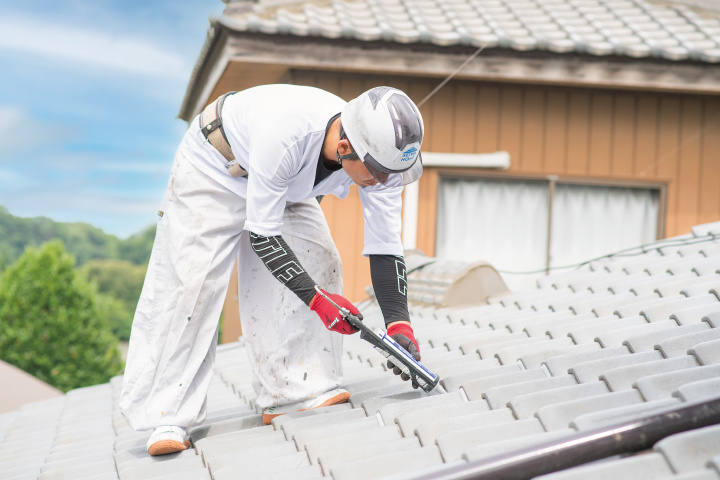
449, 77
625, 253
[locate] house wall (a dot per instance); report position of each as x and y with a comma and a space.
596, 134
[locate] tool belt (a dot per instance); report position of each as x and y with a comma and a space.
212, 129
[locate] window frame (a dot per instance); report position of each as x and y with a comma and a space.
552, 181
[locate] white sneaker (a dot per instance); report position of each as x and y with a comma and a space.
167, 439
333, 397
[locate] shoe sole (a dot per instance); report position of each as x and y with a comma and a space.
337, 399
163, 447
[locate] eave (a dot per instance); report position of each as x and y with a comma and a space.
234, 60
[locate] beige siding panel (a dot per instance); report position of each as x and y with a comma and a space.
668, 147
240, 76
710, 164
532, 145
646, 137
440, 127
578, 134
350, 88
464, 118
304, 78
427, 211
623, 139
688, 201
511, 111
601, 112
488, 113
556, 129
231, 328
418, 91
356, 275
328, 83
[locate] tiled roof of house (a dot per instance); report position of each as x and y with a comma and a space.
26, 388
629, 28
618, 339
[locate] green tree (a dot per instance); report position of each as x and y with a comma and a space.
83, 241
51, 325
121, 282
137, 248
119, 318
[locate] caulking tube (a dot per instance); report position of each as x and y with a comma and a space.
391, 350
407, 364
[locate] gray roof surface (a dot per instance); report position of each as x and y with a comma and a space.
614, 340
629, 28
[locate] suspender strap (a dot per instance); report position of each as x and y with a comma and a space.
212, 129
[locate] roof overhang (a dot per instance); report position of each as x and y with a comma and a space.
234, 60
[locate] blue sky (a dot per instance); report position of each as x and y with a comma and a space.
89, 97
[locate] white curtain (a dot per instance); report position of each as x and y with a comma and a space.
502, 223
505, 223
590, 221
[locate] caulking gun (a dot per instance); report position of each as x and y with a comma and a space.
390, 349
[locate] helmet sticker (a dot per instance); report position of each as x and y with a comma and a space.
409, 154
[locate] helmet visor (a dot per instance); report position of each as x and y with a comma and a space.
392, 179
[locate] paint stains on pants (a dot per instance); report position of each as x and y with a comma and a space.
174, 335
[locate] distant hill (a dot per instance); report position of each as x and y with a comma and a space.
84, 241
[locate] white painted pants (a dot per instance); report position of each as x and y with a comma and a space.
174, 334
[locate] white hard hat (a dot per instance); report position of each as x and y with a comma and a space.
385, 129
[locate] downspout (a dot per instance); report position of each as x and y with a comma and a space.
552, 180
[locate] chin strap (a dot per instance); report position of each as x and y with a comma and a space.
347, 156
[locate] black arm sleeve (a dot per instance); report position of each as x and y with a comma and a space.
389, 279
284, 265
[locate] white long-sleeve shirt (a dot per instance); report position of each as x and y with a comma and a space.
276, 133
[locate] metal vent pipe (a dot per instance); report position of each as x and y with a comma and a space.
586, 446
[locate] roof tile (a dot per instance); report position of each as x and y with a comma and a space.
616, 415
641, 467
635, 28
383, 411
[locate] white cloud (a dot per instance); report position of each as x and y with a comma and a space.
10, 116
20, 131
101, 50
116, 214
152, 168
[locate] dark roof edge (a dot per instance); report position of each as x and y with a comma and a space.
425, 47
211, 41
223, 27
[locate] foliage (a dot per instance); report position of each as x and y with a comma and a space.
119, 318
137, 248
52, 324
83, 241
121, 282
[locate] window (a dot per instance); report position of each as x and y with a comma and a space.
530, 224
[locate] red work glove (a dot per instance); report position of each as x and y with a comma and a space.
403, 334
330, 315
